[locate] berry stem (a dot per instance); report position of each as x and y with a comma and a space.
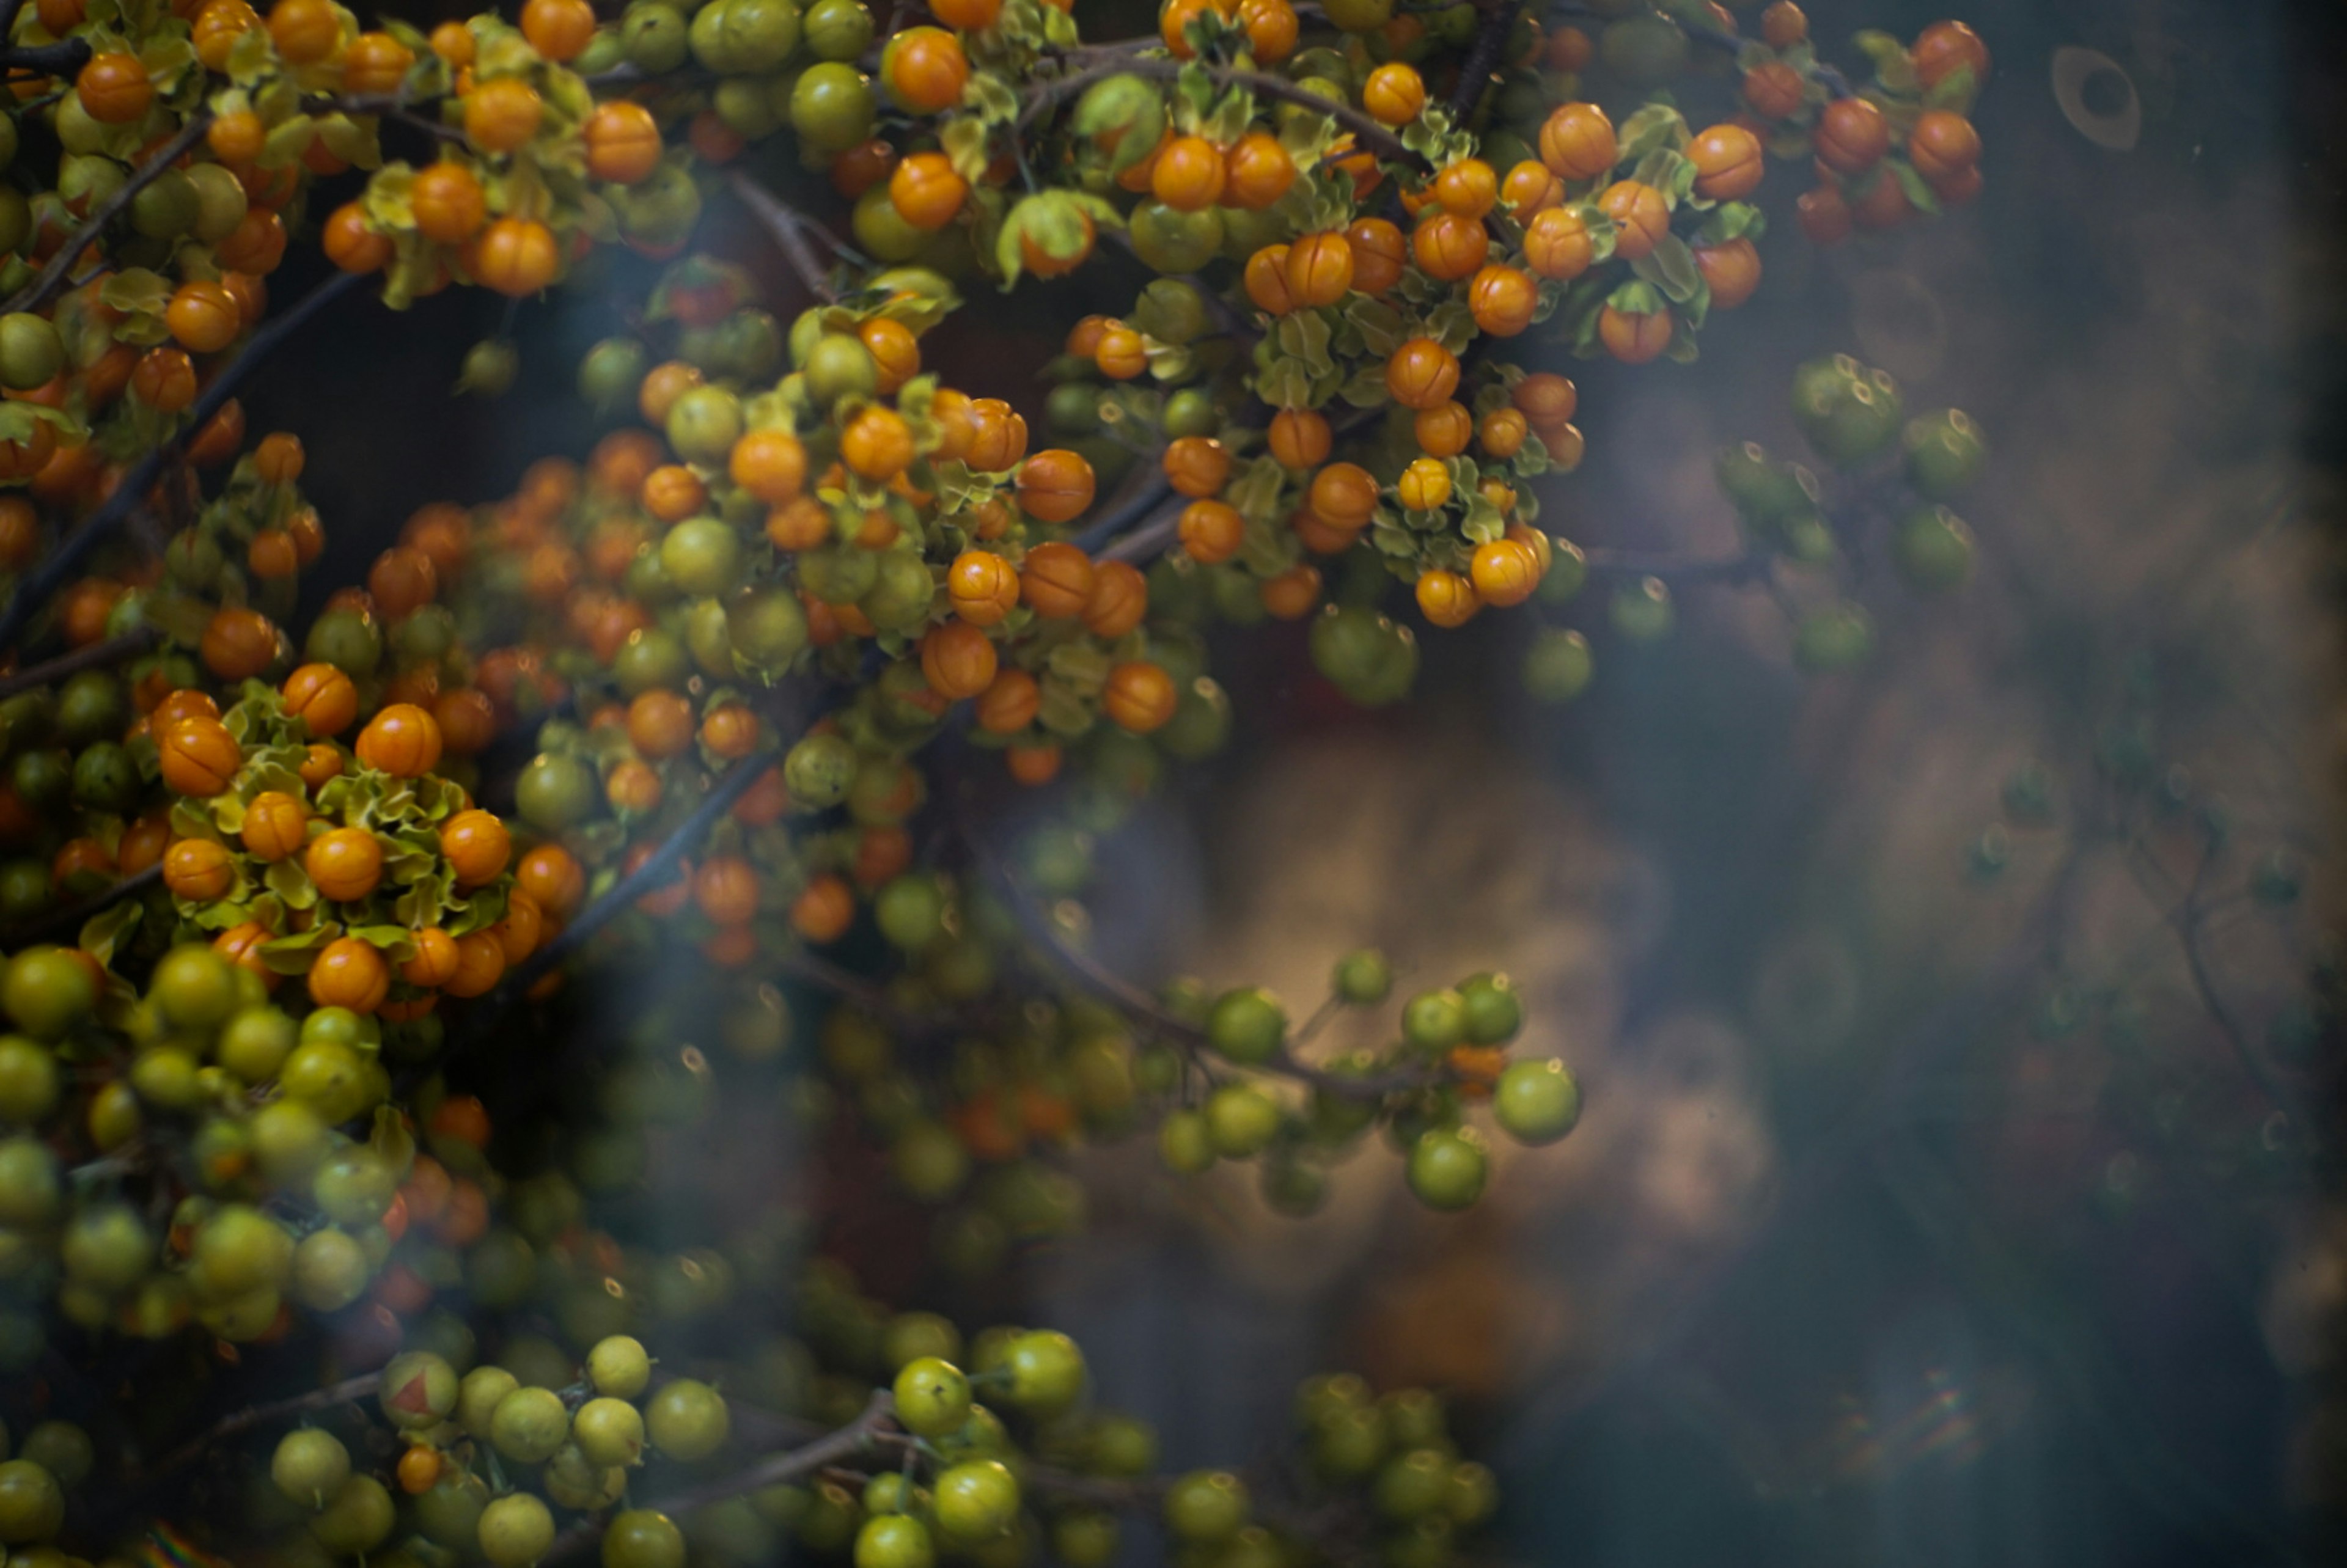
875, 1426
61, 922
789, 228
251, 1415
130, 645
45, 287
131, 492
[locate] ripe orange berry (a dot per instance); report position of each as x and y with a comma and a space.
1344, 494
1197, 466
1056, 581
1394, 94
1259, 172
926, 192
1120, 600
1782, 24
1505, 572
376, 63
402, 740
1189, 174
878, 444
1380, 252
236, 137
825, 909
926, 69
1944, 48
1265, 280
501, 114
238, 644
894, 350
202, 318
558, 29
1728, 163
476, 846
983, 587
1424, 486
1943, 145
1010, 703
1272, 27
1421, 374
276, 825
1443, 430
1774, 90
1055, 487
1446, 599
1121, 352
1634, 339
725, 888
1825, 217
1557, 245
553, 875
1467, 188
1291, 594
448, 203
1577, 142
1319, 269
350, 973
957, 661
1731, 271
346, 863
1528, 188
164, 379
623, 142
1139, 697
998, 435
198, 870
112, 89
304, 31
1449, 247
1502, 299
769, 464
1212, 531
1641, 218
218, 24
516, 256
1851, 136
1174, 19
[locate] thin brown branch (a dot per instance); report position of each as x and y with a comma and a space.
252, 1416
53, 277
60, 923
1367, 134
875, 1425
130, 645
789, 230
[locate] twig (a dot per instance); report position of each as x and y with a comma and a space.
1717, 37
1475, 74
132, 489
1105, 531
1367, 134
2187, 919
252, 1416
789, 231
1145, 541
873, 1425
60, 921
130, 645
45, 287
1114, 988
58, 59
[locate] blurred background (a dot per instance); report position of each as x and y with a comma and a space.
1958, 1183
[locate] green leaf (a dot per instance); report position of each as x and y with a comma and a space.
1671, 268
1923, 195
1658, 125
964, 140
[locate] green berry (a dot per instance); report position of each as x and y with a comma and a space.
1448, 1168
619, 1366
688, 1420
529, 1425
1642, 610
1207, 1506
640, 1538
1945, 454
609, 1431
1413, 1484
1364, 978
1434, 1020
1047, 1371
1933, 548
1495, 1009
976, 1500
516, 1530
1557, 665
894, 1541
1849, 413
1241, 1120
1838, 637
932, 1397
1247, 1026
309, 1466
1536, 1101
